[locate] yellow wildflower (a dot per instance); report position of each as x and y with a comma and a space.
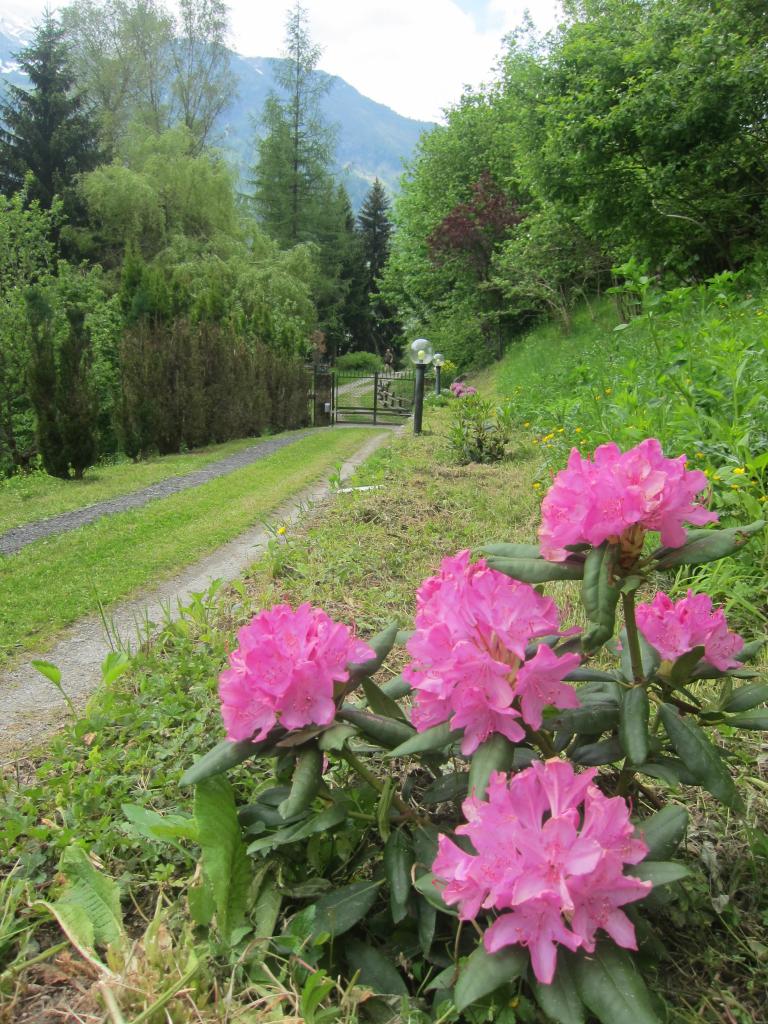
281, 530
739, 471
577, 430
609, 391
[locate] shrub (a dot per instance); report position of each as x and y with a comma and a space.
508, 718
365, 362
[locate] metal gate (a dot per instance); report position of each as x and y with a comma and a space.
385, 397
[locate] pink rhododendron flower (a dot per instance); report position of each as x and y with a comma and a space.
618, 497
473, 625
284, 668
674, 628
462, 390
550, 853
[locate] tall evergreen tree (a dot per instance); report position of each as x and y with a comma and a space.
46, 129
292, 176
375, 228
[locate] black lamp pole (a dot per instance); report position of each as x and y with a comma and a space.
418, 397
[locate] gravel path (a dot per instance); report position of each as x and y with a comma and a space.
30, 708
17, 538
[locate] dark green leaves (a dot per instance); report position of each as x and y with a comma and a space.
707, 545
374, 969
633, 724
226, 867
538, 570
341, 909
431, 739
600, 595
387, 732
496, 754
484, 972
225, 755
612, 988
664, 831
307, 776
398, 861
561, 1000
699, 756
382, 644
747, 697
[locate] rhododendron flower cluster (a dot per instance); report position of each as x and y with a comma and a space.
284, 668
674, 628
550, 853
618, 497
473, 625
462, 390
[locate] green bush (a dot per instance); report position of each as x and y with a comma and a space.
365, 362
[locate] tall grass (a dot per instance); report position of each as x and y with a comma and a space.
690, 368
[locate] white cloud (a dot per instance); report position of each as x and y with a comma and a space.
413, 55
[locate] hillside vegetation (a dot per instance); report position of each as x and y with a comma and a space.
690, 367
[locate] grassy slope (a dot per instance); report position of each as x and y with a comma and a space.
361, 558
693, 373
26, 499
55, 581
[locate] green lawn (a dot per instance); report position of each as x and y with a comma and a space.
53, 582
28, 498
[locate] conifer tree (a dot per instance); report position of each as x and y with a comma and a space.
292, 177
46, 128
375, 228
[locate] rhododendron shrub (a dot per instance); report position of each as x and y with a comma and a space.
550, 855
502, 778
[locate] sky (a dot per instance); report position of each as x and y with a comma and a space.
412, 55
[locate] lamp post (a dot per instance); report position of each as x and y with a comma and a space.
437, 361
421, 355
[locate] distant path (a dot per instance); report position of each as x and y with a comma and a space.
31, 709
17, 538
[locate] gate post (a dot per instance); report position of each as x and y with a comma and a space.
375, 394
323, 399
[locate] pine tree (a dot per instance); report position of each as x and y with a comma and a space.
47, 129
375, 227
292, 177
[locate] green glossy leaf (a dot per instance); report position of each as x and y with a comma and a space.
509, 551
483, 973
668, 769
590, 719
428, 886
337, 737
375, 971
303, 829
382, 644
225, 863
496, 754
589, 675
444, 789
747, 697
380, 703
398, 861
612, 988
426, 925
537, 570
660, 872
307, 777
387, 732
633, 724
561, 1000
594, 754
663, 831
225, 755
600, 595
699, 756
757, 719
431, 739
682, 669
396, 687
649, 657
707, 545
341, 909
